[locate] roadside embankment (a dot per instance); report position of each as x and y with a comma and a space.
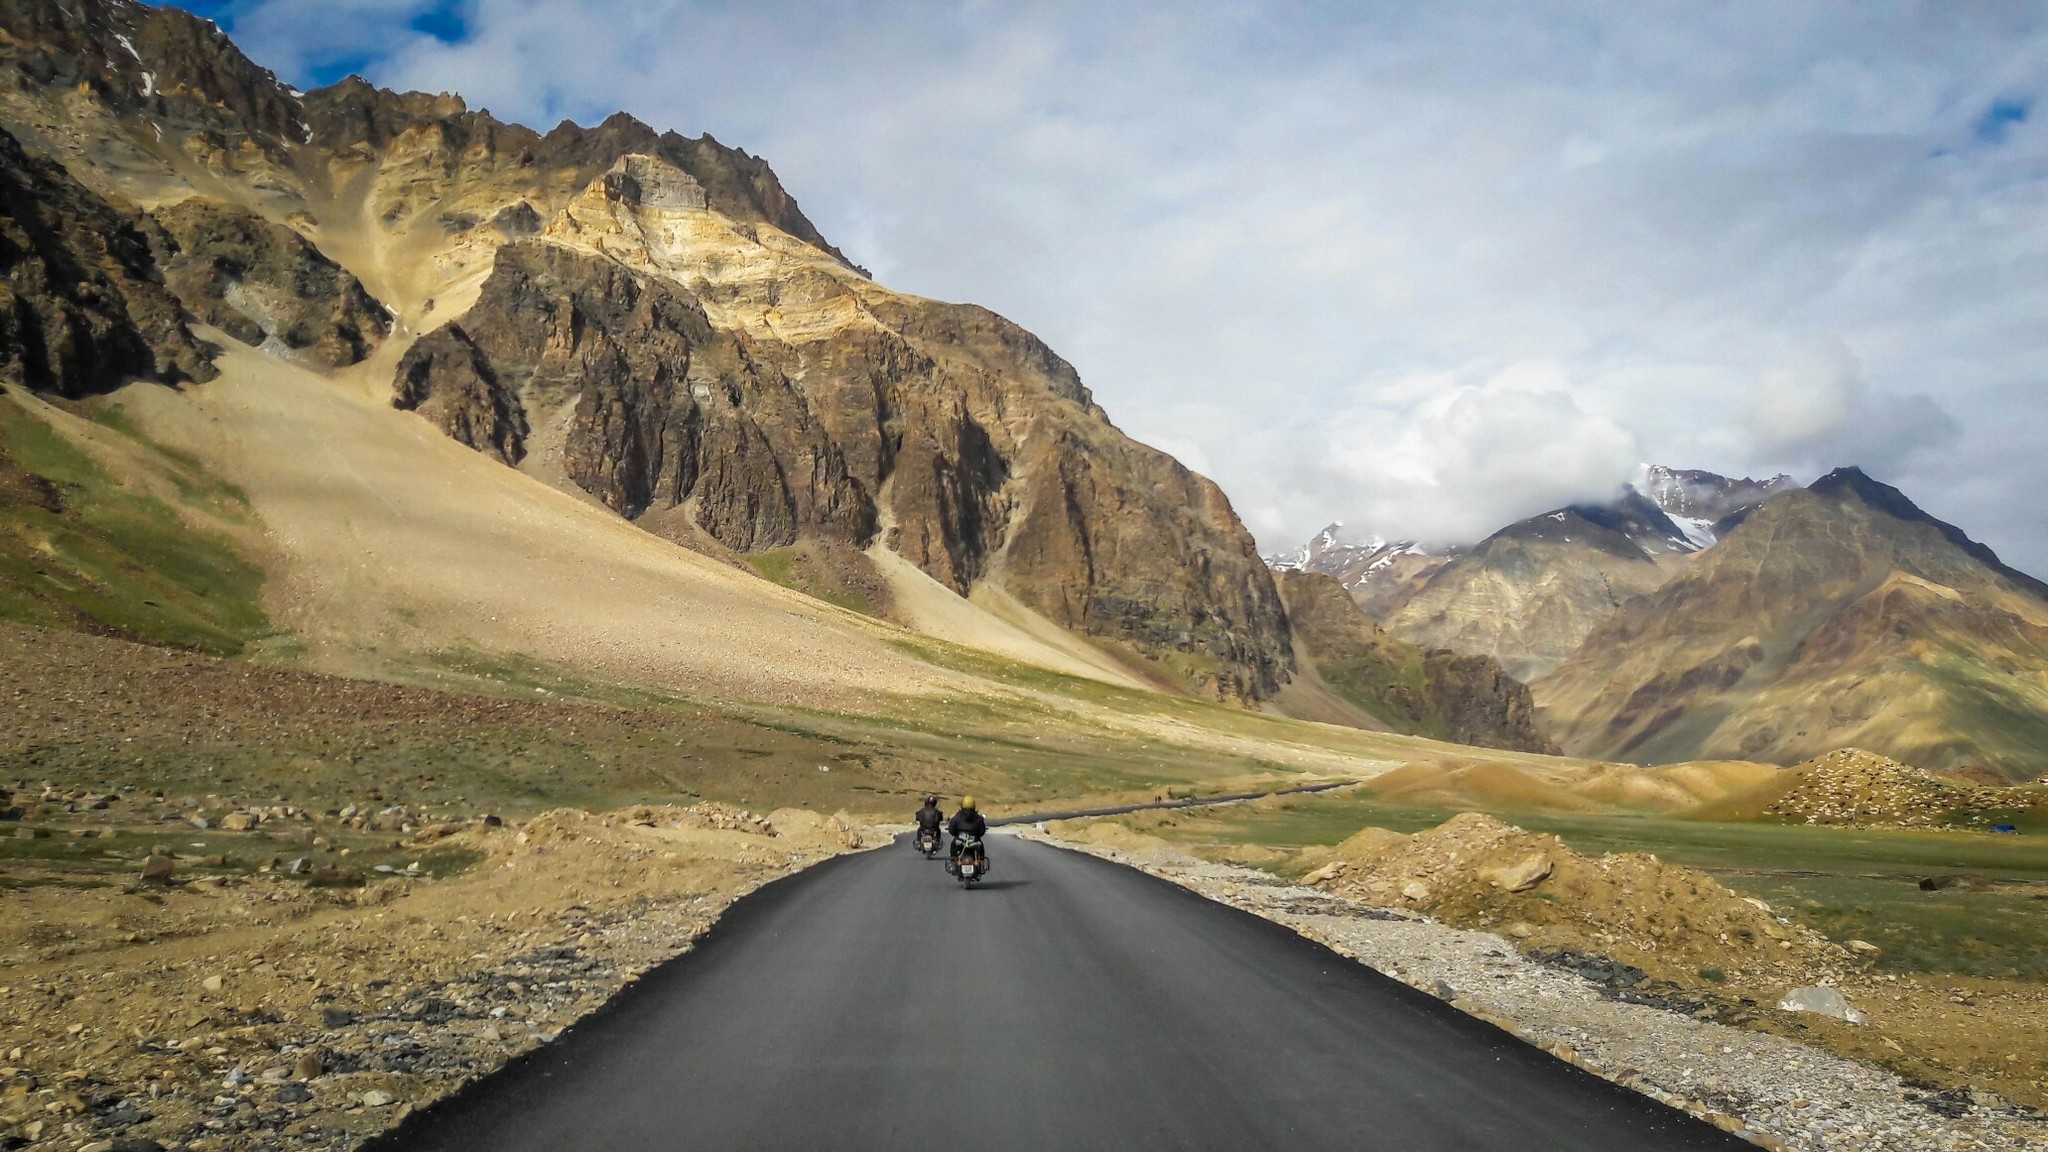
234, 1012
1604, 1016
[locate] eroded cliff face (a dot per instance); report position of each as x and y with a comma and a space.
646, 317
83, 307
772, 393
259, 281
1429, 692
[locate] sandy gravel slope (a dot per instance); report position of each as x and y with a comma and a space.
392, 538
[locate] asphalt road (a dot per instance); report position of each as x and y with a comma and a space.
1067, 1004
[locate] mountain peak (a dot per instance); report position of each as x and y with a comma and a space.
1853, 482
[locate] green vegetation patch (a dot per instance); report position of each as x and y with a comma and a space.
80, 551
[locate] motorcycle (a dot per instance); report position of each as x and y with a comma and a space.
971, 864
928, 842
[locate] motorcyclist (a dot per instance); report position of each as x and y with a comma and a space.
966, 822
930, 818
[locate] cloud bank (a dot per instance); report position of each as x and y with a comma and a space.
1423, 268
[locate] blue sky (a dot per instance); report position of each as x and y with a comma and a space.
1422, 268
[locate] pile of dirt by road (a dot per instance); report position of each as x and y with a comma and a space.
1672, 922
1863, 789
229, 1012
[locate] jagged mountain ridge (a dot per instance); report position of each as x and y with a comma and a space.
1530, 593
1836, 615
940, 431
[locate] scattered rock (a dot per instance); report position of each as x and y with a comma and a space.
237, 822
1519, 877
1865, 948
157, 869
1326, 873
375, 1098
211, 983
336, 878
1822, 1002
293, 1094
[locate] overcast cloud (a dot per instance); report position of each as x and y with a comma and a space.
1422, 268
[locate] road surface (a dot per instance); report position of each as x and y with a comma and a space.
1067, 1004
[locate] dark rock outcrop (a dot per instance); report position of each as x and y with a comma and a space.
256, 280
83, 308
663, 409
1429, 692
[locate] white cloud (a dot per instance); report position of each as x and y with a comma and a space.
1740, 237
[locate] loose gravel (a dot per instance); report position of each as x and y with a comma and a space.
1774, 1092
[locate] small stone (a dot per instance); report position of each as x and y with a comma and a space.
376, 1099
135, 1144
293, 1094
157, 869
237, 822
1865, 948
1326, 873
211, 983
336, 1018
1822, 1002
1415, 892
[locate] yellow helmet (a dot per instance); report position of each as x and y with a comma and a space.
967, 802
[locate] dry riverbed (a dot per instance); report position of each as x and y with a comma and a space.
257, 1011
1773, 1091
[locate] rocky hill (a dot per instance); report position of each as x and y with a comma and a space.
643, 317
1854, 788
1837, 615
1530, 593
1467, 699
1697, 501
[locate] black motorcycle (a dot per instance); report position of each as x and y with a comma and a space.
970, 863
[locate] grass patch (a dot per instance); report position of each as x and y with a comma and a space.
114, 561
1848, 883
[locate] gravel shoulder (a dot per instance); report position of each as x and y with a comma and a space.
1774, 1092
262, 1013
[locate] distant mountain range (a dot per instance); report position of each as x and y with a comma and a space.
1700, 616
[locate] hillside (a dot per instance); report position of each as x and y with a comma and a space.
1530, 593
1836, 616
1466, 699
644, 320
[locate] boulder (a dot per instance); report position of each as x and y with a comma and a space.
237, 822
1822, 1002
1326, 873
1521, 876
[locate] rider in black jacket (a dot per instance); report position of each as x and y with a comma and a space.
929, 818
966, 822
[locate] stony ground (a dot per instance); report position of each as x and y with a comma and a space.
1603, 1016
1864, 789
222, 1011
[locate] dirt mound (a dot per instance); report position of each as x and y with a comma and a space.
1670, 921
1863, 789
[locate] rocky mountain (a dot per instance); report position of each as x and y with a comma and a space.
1696, 501
1530, 593
1832, 616
1434, 692
640, 317
1379, 573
